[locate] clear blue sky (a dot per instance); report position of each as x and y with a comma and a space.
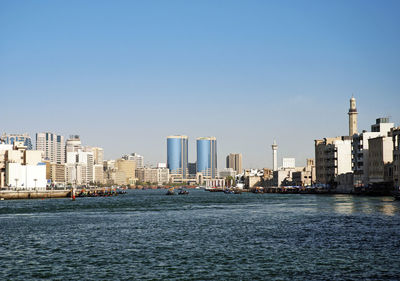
126, 74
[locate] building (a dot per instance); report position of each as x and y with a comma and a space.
80, 167
98, 154
11, 138
353, 117
21, 168
139, 159
192, 169
288, 163
127, 168
177, 155
207, 156
153, 175
380, 154
360, 154
3, 151
306, 176
234, 161
252, 177
52, 145
98, 173
395, 132
57, 173
332, 158
26, 177
274, 156
73, 144
228, 172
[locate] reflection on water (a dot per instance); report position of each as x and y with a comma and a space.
349, 204
344, 204
389, 207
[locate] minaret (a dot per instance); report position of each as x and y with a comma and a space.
353, 117
274, 156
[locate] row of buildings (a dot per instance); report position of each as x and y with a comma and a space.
369, 159
63, 162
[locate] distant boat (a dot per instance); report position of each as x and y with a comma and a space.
183, 192
170, 192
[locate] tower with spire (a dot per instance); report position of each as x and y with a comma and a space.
353, 117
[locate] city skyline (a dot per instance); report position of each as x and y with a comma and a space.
285, 71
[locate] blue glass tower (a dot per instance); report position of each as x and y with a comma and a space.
207, 156
177, 155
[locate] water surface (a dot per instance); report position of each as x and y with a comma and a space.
145, 235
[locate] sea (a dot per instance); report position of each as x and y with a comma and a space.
146, 235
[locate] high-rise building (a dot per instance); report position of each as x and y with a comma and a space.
98, 154
177, 155
11, 138
353, 117
234, 161
73, 144
139, 159
274, 156
52, 145
79, 167
207, 156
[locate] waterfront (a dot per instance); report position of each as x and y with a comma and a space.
204, 236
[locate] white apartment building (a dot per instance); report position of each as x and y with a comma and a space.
52, 145
227, 172
26, 177
80, 167
288, 163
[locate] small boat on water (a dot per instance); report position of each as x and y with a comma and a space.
183, 192
170, 192
232, 191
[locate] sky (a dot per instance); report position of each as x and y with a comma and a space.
126, 74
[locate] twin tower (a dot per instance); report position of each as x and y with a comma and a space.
177, 156
352, 131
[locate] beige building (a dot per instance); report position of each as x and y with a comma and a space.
306, 176
395, 132
98, 173
3, 150
360, 149
127, 167
57, 173
234, 161
332, 158
153, 175
380, 154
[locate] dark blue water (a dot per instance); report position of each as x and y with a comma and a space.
145, 235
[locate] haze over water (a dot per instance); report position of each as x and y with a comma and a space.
145, 235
